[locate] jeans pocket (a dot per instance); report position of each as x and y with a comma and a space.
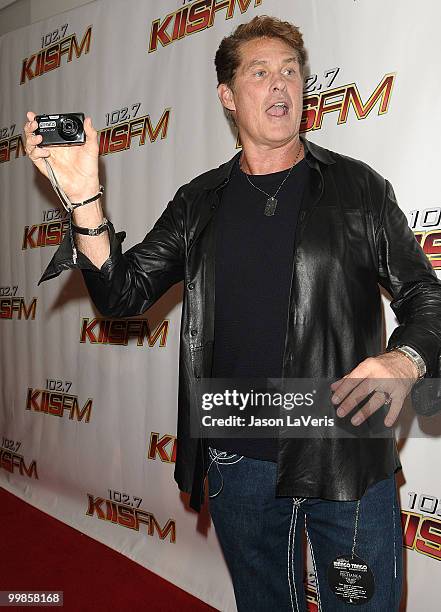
219, 458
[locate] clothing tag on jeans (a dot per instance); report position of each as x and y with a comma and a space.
351, 579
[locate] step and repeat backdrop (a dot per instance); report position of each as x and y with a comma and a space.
88, 404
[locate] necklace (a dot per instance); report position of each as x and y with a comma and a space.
271, 203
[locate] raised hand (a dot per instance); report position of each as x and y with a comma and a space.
76, 167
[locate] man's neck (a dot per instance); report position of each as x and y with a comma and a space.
257, 160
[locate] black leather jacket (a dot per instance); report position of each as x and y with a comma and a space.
351, 236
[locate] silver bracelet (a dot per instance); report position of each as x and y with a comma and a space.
414, 357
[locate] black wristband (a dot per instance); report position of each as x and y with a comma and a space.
88, 231
95, 197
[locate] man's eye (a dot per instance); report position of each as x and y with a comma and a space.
289, 71
259, 73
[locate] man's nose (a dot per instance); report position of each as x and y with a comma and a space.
278, 83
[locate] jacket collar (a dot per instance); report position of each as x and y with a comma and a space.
313, 154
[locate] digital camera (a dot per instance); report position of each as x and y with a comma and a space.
65, 129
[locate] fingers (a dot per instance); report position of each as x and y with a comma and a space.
34, 139
88, 127
347, 386
32, 149
376, 401
31, 124
375, 383
342, 387
29, 127
353, 395
394, 411
91, 133
389, 396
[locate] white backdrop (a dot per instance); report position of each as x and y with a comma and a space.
81, 409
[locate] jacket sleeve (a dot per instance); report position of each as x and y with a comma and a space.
409, 277
129, 283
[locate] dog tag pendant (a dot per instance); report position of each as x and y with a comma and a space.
270, 206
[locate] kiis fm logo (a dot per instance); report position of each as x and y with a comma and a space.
119, 331
421, 532
45, 234
341, 99
17, 308
11, 145
429, 239
119, 137
193, 18
163, 447
127, 516
13, 462
57, 404
49, 58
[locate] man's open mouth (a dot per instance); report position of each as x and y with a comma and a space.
279, 109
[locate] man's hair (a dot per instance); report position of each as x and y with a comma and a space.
227, 58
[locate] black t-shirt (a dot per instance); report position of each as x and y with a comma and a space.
253, 269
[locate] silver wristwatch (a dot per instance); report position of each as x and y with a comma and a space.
415, 357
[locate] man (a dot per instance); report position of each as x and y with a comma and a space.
294, 238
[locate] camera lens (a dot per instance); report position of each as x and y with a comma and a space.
68, 127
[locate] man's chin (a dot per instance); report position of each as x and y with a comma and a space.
280, 137
273, 136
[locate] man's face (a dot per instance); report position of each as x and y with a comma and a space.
266, 96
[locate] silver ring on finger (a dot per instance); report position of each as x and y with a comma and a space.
387, 398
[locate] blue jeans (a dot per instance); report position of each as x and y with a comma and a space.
261, 536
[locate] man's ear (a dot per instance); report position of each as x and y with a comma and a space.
226, 97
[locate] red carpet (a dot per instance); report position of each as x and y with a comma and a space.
40, 553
